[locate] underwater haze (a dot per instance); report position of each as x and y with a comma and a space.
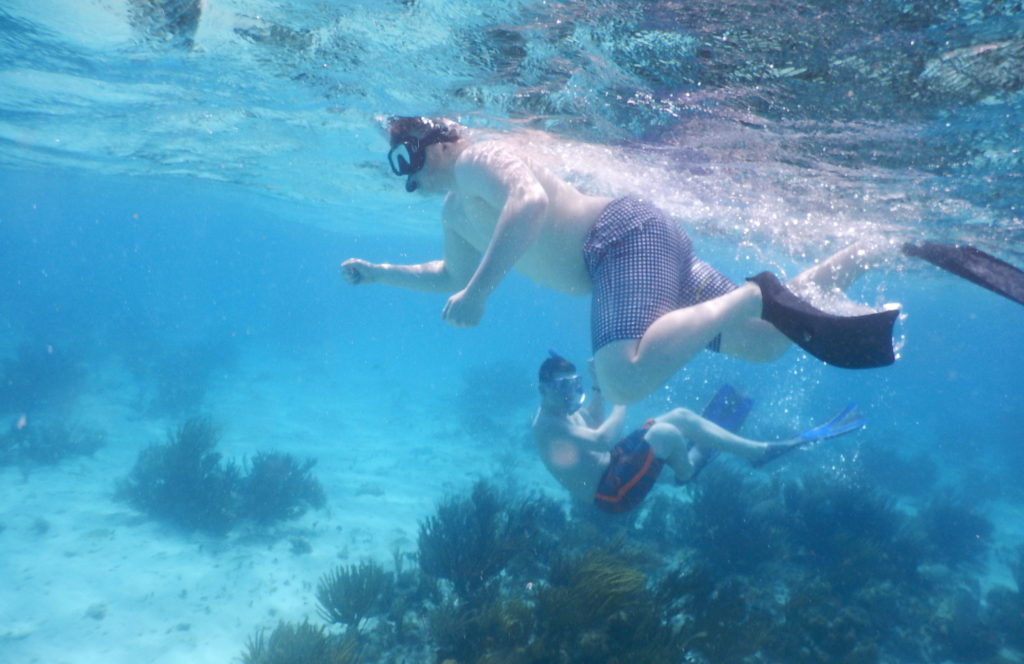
212, 449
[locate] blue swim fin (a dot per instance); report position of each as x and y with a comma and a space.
728, 409
846, 421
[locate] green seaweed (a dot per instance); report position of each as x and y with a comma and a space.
186, 482
470, 541
496, 630
848, 530
961, 632
729, 525
724, 619
350, 595
845, 577
183, 481
820, 627
299, 643
956, 534
597, 607
278, 487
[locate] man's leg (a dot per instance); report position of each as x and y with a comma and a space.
668, 444
668, 435
705, 433
631, 369
844, 267
754, 340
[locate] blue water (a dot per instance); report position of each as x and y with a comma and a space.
169, 184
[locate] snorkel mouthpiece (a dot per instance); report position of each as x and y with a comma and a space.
410, 185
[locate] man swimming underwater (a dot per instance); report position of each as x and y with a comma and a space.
586, 453
655, 305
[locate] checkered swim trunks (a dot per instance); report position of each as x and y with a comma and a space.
642, 266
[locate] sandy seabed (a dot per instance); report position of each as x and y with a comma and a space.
87, 578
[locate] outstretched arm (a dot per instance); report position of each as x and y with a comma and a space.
441, 276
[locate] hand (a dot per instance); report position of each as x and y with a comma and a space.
357, 271
463, 310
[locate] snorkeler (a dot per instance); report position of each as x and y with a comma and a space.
583, 451
655, 304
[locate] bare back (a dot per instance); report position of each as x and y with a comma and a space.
555, 257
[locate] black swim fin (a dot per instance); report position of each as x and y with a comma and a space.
851, 342
973, 265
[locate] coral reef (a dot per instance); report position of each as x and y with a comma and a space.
821, 628
823, 567
300, 643
471, 540
185, 481
726, 619
470, 633
725, 522
888, 469
956, 534
848, 531
1006, 606
350, 595
279, 487
596, 607
962, 633
581, 604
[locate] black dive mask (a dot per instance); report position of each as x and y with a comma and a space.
570, 389
408, 155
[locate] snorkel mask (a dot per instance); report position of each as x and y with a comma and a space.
408, 156
410, 138
570, 389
